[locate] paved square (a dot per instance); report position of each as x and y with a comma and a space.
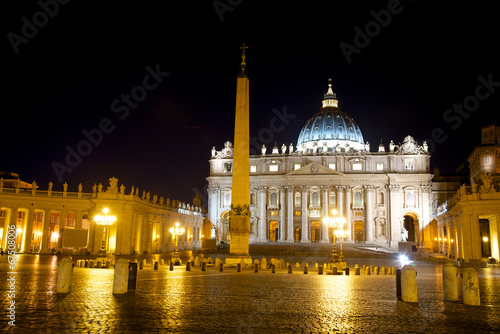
245, 302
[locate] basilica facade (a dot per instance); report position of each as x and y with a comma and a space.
384, 194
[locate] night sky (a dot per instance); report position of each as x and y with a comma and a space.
70, 76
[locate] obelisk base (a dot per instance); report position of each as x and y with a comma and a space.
238, 248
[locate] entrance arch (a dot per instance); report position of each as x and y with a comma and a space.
411, 224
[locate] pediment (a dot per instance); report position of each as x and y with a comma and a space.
314, 168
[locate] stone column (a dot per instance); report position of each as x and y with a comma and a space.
62, 227
78, 217
340, 201
282, 229
44, 242
290, 209
305, 227
369, 213
213, 206
324, 230
393, 208
425, 220
28, 231
263, 214
348, 198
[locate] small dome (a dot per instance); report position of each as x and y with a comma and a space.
330, 128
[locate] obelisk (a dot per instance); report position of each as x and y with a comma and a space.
239, 218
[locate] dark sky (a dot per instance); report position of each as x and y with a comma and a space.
65, 76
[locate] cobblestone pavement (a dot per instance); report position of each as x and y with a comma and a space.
240, 302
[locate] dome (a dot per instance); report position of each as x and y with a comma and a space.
330, 129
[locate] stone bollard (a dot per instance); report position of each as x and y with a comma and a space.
376, 270
172, 266
162, 262
409, 284
334, 270
243, 264
141, 265
356, 271
120, 279
450, 285
91, 264
144, 262
320, 270
155, 266
238, 267
78, 263
356, 266
371, 269
98, 264
108, 263
188, 266
289, 268
368, 271
305, 269
470, 287
256, 268
297, 265
221, 266
346, 271
364, 267
273, 269
203, 266
64, 275
382, 270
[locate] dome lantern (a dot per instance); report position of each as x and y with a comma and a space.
330, 98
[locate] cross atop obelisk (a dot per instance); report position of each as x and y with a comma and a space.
243, 65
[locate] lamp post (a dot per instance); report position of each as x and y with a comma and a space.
176, 232
337, 223
105, 221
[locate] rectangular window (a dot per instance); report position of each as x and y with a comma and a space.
409, 164
274, 213
331, 166
296, 166
298, 213
356, 166
380, 166
228, 167
273, 168
253, 169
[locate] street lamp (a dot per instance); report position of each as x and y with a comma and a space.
105, 221
176, 232
336, 223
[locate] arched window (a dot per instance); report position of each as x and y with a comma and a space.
410, 198
274, 199
315, 198
358, 201
227, 198
333, 199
